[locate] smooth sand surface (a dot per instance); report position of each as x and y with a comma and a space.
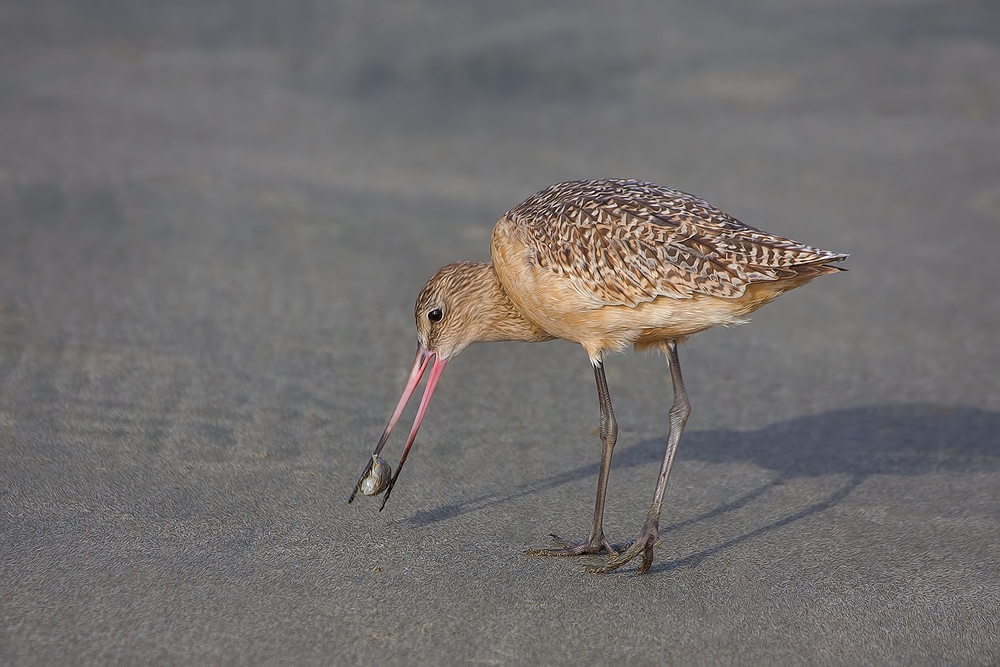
214, 218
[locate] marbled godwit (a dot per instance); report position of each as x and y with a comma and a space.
606, 264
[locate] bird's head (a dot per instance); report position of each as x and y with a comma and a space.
446, 315
449, 308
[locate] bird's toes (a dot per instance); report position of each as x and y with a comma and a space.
644, 545
590, 547
612, 549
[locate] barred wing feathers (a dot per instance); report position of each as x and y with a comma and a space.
626, 242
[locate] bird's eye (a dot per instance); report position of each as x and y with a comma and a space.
435, 315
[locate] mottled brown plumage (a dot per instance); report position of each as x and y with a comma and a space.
609, 263
627, 242
606, 264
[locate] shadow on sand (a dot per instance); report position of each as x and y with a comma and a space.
859, 442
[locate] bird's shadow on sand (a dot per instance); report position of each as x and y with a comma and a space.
857, 443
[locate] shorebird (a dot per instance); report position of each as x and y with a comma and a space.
607, 264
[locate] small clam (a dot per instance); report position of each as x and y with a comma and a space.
377, 479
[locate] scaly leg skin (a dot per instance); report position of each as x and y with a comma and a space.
649, 536
591, 547
596, 543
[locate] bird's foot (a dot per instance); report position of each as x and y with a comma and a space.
591, 547
648, 538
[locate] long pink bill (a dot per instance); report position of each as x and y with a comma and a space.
420, 364
425, 400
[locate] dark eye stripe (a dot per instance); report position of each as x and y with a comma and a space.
435, 315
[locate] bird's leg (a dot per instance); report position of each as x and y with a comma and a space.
650, 533
596, 543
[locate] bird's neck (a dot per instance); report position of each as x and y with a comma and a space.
498, 318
